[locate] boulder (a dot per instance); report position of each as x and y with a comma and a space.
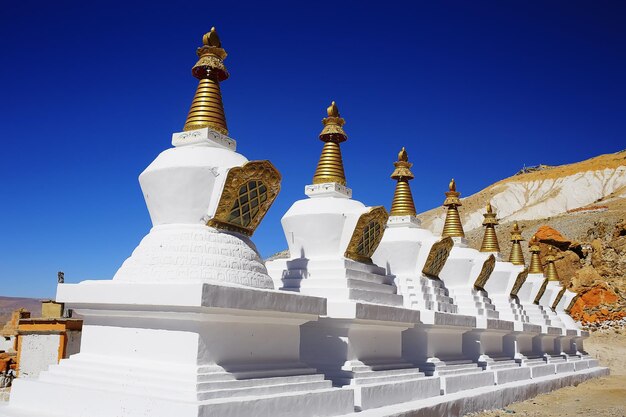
585, 278
550, 236
598, 303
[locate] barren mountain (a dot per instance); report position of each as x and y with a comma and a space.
595, 184
578, 208
9, 304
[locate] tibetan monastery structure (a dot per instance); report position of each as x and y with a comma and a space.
369, 315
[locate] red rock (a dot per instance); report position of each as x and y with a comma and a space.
546, 234
597, 303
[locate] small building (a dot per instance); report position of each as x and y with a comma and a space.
8, 334
46, 340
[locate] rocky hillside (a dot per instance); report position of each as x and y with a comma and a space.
595, 184
580, 209
10, 304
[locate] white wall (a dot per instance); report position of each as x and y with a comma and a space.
38, 351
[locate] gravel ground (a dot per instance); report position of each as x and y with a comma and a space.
602, 397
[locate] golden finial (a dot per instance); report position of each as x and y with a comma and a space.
212, 39
452, 226
535, 261
330, 165
517, 256
551, 274
332, 110
402, 204
207, 109
490, 239
403, 156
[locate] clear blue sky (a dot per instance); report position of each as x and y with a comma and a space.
91, 92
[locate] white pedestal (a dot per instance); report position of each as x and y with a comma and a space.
337, 279
499, 287
459, 274
404, 249
360, 347
184, 350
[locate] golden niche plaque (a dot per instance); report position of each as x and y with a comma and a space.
367, 235
249, 192
519, 281
437, 257
485, 273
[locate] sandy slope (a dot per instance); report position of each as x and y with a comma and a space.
602, 397
9, 304
543, 194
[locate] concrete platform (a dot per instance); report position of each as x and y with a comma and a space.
376, 395
539, 371
463, 382
485, 398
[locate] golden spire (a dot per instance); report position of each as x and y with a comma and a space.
206, 108
551, 274
452, 226
517, 256
490, 240
402, 204
330, 165
535, 262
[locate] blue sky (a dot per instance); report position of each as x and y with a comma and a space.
91, 92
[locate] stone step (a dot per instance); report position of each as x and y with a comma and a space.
447, 308
79, 365
504, 376
291, 283
434, 290
357, 295
243, 383
377, 379
381, 370
337, 275
259, 386
456, 383
498, 365
447, 372
264, 390
535, 361
215, 376
438, 298
492, 314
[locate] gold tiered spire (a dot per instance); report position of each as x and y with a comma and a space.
206, 108
535, 262
452, 226
330, 165
402, 204
517, 256
551, 274
490, 240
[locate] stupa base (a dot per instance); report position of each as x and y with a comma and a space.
359, 347
75, 401
485, 398
184, 350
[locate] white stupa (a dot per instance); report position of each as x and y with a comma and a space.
331, 240
193, 324
416, 257
190, 324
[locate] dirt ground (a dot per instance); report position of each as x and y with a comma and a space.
601, 397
